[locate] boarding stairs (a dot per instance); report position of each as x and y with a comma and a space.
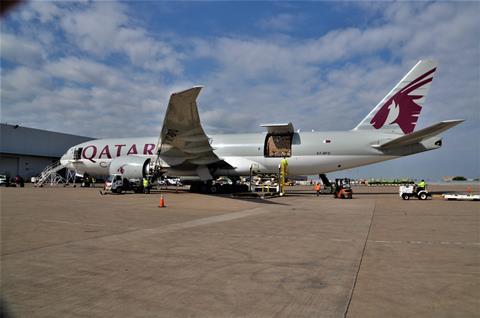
50, 175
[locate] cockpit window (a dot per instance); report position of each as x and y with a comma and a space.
77, 154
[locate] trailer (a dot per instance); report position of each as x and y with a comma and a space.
462, 197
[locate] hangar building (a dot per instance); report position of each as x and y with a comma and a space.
27, 151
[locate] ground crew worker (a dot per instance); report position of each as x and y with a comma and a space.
285, 164
146, 186
421, 185
284, 171
317, 188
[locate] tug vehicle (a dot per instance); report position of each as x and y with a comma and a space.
411, 191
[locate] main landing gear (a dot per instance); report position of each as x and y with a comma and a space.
219, 186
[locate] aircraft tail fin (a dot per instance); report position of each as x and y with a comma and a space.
399, 110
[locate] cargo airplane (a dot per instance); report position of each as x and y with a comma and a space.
184, 150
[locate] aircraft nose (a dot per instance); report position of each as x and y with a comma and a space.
64, 160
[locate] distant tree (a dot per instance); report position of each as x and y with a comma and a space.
459, 178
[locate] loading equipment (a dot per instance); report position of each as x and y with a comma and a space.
343, 189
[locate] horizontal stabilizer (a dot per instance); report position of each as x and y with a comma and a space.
420, 135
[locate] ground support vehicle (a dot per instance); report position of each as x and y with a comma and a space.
458, 197
411, 191
4, 180
327, 186
325, 189
343, 189
118, 184
169, 182
221, 185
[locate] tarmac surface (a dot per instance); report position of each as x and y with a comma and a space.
70, 252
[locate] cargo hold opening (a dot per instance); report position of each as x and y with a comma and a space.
278, 141
278, 146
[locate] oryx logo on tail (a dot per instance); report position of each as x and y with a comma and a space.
402, 108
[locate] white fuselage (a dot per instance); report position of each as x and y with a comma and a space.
311, 153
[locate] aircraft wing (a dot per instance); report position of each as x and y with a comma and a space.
420, 135
183, 142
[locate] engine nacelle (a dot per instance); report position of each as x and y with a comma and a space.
131, 167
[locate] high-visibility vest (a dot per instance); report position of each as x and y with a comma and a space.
317, 187
421, 184
284, 165
145, 183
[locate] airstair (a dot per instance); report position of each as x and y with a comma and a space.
50, 175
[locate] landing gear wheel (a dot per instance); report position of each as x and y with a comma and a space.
422, 196
405, 196
195, 188
213, 189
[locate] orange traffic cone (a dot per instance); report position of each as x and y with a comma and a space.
162, 202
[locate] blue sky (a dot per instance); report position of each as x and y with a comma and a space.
89, 68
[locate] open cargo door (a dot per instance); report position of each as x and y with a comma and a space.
278, 142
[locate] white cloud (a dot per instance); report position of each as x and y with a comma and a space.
104, 28
94, 27
19, 50
84, 71
44, 11
22, 84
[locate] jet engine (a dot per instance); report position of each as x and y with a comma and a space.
131, 167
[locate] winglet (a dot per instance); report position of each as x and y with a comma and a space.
195, 90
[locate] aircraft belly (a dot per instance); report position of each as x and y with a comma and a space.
310, 165
95, 169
